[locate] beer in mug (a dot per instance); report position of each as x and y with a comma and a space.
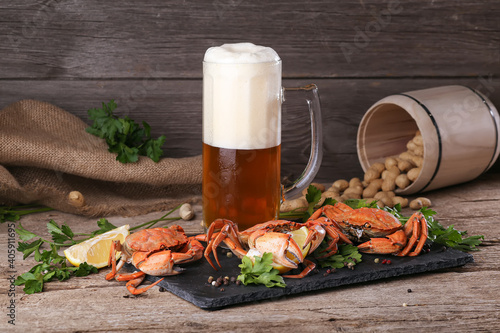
242, 97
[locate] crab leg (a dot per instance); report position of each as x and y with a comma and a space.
332, 230
310, 266
129, 276
134, 280
192, 251
228, 234
332, 242
392, 243
115, 246
159, 263
412, 227
132, 285
236, 248
330, 212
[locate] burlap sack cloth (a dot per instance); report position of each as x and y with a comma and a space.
45, 153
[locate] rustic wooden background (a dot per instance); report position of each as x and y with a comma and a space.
147, 56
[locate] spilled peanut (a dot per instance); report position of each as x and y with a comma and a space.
186, 212
76, 199
378, 183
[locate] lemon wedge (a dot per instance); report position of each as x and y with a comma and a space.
95, 251
299, 236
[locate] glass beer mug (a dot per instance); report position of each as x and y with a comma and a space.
242, 97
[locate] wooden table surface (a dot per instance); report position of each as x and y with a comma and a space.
461, 299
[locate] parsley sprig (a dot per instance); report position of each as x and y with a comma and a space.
347, 255
449, 236
51, 265
123, 135
260, 272
14, 213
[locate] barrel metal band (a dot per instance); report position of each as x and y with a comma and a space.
494, 124
438, 135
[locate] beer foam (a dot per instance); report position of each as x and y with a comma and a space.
242, 97
240, 53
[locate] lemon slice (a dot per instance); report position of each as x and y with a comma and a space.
299, 236
95, 251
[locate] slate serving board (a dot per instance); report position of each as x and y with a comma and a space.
192, 286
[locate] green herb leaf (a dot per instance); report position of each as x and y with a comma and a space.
14, 213
61, 234
85, 269
7, 215
347, 254
329, 201
21, 279
28, 248
313, 195
124, 136
152, 148
359, 203
260, 272
104, 226
450, 237
34, 285
24, 234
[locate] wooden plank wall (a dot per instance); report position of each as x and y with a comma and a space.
147, 56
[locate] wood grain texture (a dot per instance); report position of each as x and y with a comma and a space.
148, 57
173, 108
95, 39
461, 299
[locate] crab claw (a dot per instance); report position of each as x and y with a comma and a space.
391, 244
279, 244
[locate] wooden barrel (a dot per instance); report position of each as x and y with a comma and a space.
459, 127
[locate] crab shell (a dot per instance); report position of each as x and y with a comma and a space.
365, 223
156, 239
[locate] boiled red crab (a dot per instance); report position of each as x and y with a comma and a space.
271, 237
154, 252
379, 231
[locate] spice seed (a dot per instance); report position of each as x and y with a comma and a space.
409, 290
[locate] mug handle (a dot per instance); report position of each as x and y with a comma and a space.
316, 156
